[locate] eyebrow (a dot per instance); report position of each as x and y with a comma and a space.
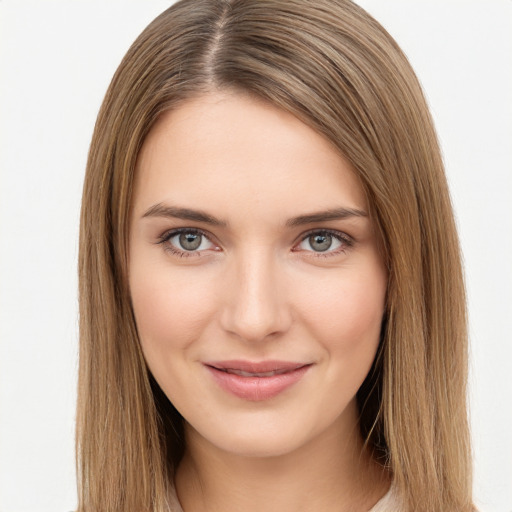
326, 215
162, 210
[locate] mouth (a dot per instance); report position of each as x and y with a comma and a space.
234, 371
256, 381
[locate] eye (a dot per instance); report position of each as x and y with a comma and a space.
187, 242
325, 242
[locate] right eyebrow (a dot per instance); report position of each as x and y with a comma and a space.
176, 212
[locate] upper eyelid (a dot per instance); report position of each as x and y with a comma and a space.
303, 235
336, 233
168, 234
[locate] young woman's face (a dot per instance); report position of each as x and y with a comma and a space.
255, 275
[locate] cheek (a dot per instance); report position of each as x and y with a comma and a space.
346, 313
171, 310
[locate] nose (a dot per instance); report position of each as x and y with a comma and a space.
256, 305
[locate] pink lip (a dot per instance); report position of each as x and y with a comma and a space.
256, 388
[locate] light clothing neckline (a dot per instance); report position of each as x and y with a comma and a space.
388, 503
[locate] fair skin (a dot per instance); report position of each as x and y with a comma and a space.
250, 241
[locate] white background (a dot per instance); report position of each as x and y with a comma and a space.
56, 60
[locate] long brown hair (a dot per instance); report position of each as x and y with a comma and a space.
335, 68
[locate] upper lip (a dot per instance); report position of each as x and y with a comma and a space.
256, 366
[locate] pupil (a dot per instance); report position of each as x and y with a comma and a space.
320, 243
190, 241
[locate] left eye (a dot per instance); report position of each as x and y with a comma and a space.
190, 241
321, 241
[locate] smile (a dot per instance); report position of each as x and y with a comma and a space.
256, 381
249, 374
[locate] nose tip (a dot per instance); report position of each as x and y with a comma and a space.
256, 307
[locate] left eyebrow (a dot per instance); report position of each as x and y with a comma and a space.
326, 215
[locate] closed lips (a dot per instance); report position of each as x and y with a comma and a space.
256, 381
256, 369
242, 373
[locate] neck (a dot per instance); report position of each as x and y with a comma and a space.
331, 473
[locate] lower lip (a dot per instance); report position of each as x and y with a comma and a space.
257, 389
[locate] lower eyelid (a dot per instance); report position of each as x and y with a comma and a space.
182, 254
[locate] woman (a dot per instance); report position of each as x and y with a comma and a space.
272, 302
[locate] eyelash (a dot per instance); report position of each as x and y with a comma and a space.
164, 239
346, 240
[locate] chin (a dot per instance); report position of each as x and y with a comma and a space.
258, 444
265, 434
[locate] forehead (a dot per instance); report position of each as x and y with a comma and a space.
229, 149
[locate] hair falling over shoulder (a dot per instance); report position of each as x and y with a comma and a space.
334, 67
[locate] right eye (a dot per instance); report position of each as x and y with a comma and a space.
187, 242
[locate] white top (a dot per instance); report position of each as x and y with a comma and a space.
388, 503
